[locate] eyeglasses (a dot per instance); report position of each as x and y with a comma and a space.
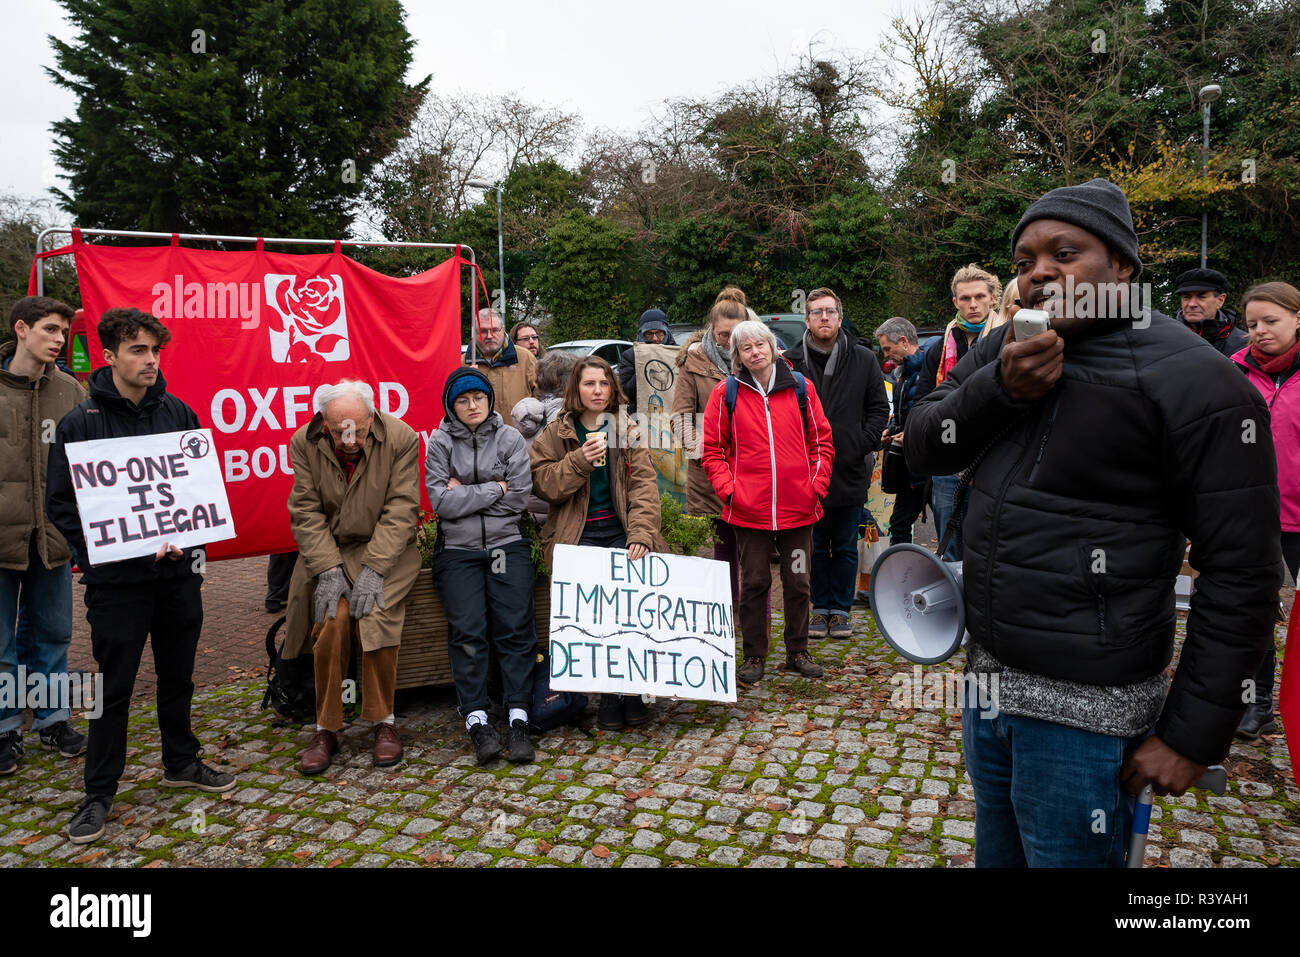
527, 338
830, 312
467, 399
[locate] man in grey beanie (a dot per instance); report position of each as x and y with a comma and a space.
654, 330
1096, 449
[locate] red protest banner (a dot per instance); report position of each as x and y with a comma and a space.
255, 334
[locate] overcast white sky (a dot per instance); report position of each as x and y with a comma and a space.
611, 64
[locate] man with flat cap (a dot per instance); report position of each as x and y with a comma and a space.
1073, 538
1203, 293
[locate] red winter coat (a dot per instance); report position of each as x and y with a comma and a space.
1282, 393
769, 471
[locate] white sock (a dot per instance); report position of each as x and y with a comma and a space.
391, 719
475, 717
518, 714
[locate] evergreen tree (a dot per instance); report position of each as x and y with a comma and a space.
230, 116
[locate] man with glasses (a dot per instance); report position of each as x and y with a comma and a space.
653, 331
512, 371
847, 378
525, 336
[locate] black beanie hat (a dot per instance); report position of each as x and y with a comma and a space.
1099, 206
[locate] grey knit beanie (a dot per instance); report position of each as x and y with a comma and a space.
1099, 206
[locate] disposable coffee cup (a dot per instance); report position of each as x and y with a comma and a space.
604, 442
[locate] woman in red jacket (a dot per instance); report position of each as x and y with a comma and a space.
1271, 361
769, 459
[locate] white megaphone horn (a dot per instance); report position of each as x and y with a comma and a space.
917, 600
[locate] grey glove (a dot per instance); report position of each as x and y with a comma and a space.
367, 592
330, 587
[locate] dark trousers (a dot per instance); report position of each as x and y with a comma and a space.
908, 506
170, 614
279, 570
835, 560
489, 592
755, 546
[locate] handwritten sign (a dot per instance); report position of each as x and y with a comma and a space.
136, 493
661, 625
656, 382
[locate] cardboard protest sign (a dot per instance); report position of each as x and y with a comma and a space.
661, 625
656, 382
136, 493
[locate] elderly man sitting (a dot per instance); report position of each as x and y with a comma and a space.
353, 510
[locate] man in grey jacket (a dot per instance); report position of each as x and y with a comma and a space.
478, 479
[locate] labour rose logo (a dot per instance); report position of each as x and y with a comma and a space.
309, 318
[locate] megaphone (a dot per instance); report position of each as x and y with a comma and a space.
917, 600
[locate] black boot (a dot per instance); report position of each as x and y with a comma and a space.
610, 714
1258, 719
636, 710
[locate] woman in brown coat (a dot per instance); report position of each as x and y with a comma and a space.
600, 494
704, 361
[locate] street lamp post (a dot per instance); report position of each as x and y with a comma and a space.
501, 252
1209, 93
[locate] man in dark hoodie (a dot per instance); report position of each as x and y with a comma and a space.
1071, 545
129, 601
654, 331
848, 380
1202, 293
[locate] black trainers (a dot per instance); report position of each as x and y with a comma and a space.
199, 775
751, 670
62, 738
88, 823
487, 743
11, 749
521, 745
609, 714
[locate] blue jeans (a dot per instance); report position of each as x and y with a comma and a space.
35, 631
835, 560
1046, 795
942, 488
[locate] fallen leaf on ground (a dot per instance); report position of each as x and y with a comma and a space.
600, 850
543, 847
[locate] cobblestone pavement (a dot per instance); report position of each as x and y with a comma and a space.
797, 773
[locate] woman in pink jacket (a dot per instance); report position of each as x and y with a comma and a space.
769, 458
1272, 361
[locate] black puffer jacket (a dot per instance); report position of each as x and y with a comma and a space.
1220, 332
858, 410
1077, 517
107, 415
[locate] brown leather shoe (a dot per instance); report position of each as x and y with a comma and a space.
316, 758
388, 747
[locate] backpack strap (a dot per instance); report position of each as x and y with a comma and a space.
801, 390
729, 397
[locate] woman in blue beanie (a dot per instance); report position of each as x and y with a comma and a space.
478, 479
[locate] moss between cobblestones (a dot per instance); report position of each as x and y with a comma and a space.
686, 755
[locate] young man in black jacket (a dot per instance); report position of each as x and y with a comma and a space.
1099, 447
138, 598
848, 380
